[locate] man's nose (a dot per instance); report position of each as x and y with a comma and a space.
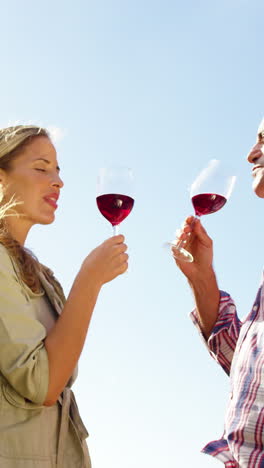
255, 153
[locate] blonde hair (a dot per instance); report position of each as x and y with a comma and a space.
13, 141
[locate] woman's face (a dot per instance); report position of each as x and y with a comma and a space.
33, 179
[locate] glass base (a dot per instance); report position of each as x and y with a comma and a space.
179, 253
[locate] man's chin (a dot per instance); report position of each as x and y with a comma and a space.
259, 190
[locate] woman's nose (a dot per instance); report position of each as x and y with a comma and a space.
255, 153
57, 182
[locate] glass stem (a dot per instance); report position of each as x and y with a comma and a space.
116, 230
181, 243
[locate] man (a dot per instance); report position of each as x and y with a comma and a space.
237, 346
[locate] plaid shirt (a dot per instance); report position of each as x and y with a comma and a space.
239, 348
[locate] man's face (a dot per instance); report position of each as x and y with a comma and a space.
256, 157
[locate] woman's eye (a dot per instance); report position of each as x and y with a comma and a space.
39, 169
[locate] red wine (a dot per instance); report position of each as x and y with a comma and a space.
115, 207
207, 203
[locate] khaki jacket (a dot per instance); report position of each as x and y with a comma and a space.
32, 435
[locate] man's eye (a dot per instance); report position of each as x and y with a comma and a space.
39, 169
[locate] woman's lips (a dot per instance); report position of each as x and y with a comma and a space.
51, 201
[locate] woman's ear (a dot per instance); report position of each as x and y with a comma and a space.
3, 182
3, 176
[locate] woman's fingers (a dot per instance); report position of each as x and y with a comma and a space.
118, 258
121, 265
107, 261
121, 258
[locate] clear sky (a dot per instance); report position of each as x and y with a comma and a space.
161, 86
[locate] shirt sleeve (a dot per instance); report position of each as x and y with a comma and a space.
222, 341
23, 356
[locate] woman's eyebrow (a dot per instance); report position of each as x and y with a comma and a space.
47, 162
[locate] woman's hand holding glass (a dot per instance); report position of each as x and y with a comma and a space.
107, 261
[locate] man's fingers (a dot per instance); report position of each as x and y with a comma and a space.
202, 234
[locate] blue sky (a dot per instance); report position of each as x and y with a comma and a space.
160, 86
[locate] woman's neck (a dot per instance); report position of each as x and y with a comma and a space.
17, 228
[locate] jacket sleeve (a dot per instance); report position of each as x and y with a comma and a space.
223, 339
23, 356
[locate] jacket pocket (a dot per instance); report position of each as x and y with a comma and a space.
27, 430
18, 400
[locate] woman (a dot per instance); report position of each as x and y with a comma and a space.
41, 333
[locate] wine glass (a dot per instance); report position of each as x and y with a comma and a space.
209, 193
115, 194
